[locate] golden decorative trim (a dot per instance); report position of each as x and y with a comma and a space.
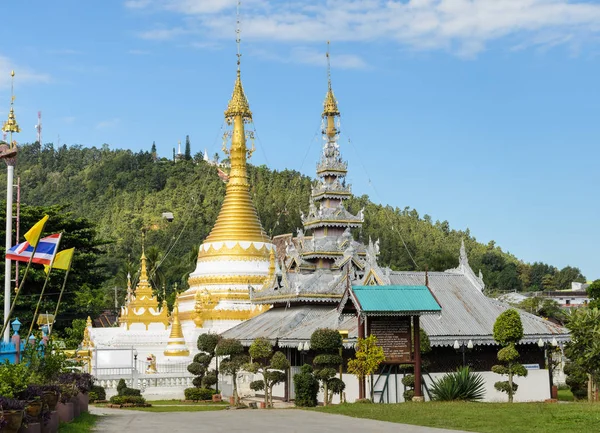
176, 352
237, 252
226, 280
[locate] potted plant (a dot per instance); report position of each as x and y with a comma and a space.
11, 411
65, 409
84, 383
34, 403
51, 394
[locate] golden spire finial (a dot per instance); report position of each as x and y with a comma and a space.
238, 104
238, 40
330, 108
88, 322
143, 272
11, 126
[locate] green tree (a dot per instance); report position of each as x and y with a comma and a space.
543, 307
508, 331
235, 360
327, 343
188, 149
566, 276
367, 358
593, 292
584, 348
200, 367
74, 334
272, 366
83, 293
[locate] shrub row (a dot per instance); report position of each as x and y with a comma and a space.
127, 399
199, 394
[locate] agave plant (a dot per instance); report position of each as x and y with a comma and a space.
461, 385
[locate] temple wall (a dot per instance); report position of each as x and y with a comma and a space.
534, 387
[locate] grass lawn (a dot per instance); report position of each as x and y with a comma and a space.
82, 424
183, 408
482, 417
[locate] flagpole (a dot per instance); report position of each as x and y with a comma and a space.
12, 307
37, 307
60, 298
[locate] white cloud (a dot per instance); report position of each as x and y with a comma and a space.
161, 34
138, 52
315, 57
64, 52
464, 27
23, 74
106, 124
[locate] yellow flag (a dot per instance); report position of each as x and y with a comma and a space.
34, 233
62, 260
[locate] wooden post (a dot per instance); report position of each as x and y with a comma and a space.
417, 337
361, 382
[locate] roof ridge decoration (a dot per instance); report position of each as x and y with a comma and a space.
465, 269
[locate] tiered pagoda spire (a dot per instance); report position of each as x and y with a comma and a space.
143, 306
236, 253
328, 219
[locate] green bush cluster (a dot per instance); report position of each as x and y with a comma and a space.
127, 399
99, 393
306, 386
198, 394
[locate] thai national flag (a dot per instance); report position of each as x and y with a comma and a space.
44, 254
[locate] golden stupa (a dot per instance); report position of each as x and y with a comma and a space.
236, 253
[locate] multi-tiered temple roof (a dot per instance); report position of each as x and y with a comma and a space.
315, 267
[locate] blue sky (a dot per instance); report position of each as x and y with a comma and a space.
483, 113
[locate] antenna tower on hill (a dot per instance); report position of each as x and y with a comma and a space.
38, 128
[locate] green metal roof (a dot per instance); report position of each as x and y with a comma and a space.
396, 299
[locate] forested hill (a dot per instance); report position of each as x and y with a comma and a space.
122, 192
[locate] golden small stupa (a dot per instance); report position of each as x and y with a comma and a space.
143, 306
176, 345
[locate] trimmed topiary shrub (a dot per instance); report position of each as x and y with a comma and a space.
307, 387
327, 343
130, 392
99, 393
198, 394
508, 331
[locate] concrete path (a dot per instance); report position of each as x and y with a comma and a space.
247, 421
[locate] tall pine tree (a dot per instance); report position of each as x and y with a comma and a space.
188, 150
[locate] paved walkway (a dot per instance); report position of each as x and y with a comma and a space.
247, 421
